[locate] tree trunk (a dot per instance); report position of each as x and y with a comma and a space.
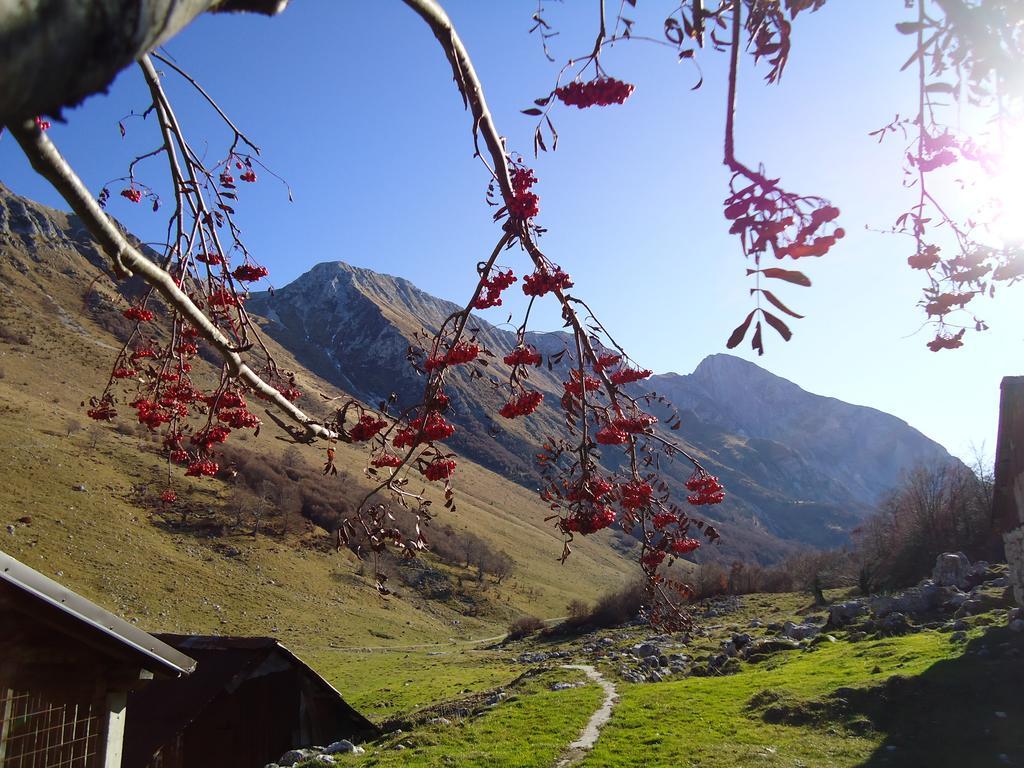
55, 53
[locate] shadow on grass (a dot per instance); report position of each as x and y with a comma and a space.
963, 712
967, 711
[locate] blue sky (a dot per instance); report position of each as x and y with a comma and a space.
354, 105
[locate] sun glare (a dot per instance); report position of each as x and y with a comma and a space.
1003, 189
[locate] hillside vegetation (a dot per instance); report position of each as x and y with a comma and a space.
79, 499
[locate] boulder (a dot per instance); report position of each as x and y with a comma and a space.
842, 614
952, 569
800, 631
741, 640
765, 647
894, 624
969, 608
344, 746
292, 756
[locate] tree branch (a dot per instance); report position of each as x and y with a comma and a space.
128, 260
55, 53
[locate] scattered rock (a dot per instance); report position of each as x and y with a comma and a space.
11, 529
292, 756
646, 649
80, 487
766, 646
968, 608
439, 721
894, 624
566, 686
842, 614
951, 570
343, 746
958, 637
799, 631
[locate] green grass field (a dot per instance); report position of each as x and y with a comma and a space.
919, 699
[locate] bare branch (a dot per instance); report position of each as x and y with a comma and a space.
51, 165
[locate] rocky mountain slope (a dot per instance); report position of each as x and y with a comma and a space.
798, 467
78, 499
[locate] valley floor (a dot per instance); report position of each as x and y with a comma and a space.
930, 697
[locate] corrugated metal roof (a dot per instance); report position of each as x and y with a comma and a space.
162, 657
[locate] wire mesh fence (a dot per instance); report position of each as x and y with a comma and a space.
41, 731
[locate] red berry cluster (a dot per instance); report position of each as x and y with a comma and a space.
168, 496
588, 520
240, 419
462, 352
684, 545
142, 352
575, 388
226, 179
439, 469
946, 342
387, 459
249, 273
222, 297
652, 559
523, 405
207, 438
492, 288
636, 494
201, 468
523, 356
591, 489
609, 435
249, 176
544, 281
434, 428
139, 314
762, 214
662, 520
291, 394
524, 203
131, 193
639, 422
212, 259
102, 412
705, 489
125, 373
604, 362
41, 124
599, 92
226, 399
367, 428
627, 375
151, 414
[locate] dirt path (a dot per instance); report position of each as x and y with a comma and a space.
579, 748
452, 643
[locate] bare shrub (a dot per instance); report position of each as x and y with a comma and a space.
523, 627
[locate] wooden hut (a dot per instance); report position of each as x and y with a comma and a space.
249, 701
66, 667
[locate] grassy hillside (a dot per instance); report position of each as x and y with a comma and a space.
109, 543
